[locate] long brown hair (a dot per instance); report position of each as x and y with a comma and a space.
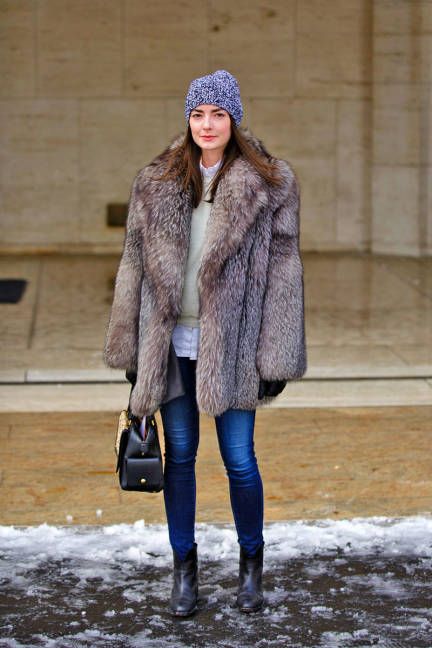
183, 162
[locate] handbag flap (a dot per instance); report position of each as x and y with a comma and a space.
144, 474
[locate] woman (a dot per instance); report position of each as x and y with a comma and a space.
211, 266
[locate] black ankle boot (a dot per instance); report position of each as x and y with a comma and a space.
184, 593
249, 596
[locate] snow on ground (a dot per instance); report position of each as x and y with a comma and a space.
148, 544
359, 582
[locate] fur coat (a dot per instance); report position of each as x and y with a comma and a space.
250, 284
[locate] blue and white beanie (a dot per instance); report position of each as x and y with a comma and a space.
221, 89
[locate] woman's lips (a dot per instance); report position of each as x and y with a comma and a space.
208, 137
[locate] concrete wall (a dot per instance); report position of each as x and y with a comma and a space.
92, 89
402, 128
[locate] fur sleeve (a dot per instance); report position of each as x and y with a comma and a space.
281, 352
121, 343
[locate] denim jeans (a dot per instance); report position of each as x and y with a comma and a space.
235, 430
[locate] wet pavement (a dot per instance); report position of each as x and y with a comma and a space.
346, 593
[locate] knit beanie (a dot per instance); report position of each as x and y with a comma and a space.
221, 89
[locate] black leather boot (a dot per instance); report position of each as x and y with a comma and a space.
249, 596
184, 593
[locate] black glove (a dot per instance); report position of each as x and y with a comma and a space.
131, 375
270, 387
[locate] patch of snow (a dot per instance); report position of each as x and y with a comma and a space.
322, 609
142, 544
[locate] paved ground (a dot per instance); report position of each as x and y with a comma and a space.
83, 592
315, 463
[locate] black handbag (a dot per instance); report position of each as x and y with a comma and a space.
139, 457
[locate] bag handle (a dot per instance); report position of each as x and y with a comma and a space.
144, 424
131, 376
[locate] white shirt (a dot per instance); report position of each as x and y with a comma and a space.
186, 338
186, 341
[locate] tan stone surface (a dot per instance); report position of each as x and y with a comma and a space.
396, 192
419, 356
79, 48
175, 118
75, 375
334, 64
416, 273
87, 392
119, 137
298, 128
318, 196
380, 328
395, 17
65, 290
351, 393
165, 47
335, 282
64, 396
401, 141
375, 299
338, 16
17, 48
352, 172
406, 96
48, 359
243, 37
39, 160
17, 320
315, 464
389, 123
400, 58
354, 360
426, 180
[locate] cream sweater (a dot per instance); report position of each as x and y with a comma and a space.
200, 216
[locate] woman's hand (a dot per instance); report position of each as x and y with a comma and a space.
131, 376
270, 387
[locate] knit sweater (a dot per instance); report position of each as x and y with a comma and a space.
186, 332
200, 216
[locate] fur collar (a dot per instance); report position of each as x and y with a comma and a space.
241, 196
241, 172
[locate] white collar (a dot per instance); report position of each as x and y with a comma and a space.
209, 172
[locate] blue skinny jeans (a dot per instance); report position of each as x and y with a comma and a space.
235, 431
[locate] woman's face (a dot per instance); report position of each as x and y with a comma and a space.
210, 127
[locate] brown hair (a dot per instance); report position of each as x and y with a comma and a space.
183, 162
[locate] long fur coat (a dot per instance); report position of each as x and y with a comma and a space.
250, 283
